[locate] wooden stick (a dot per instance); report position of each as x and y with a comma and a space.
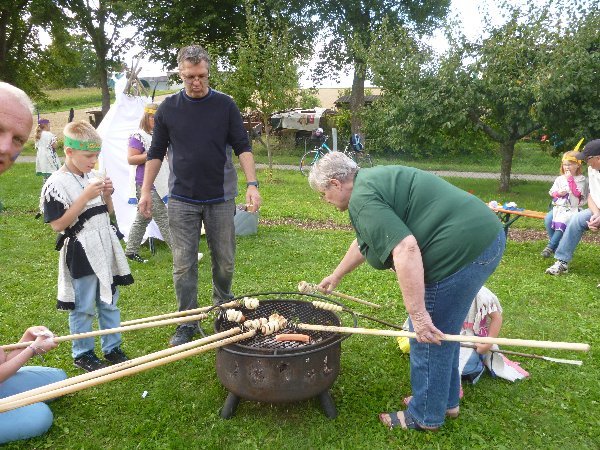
574, 362
178, 313
122, 373
89, 334
124, 365
453, 338
309, 288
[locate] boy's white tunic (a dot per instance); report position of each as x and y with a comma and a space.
98, 238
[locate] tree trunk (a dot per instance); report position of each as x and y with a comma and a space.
357, 98
105, 92
3, 43
507, 150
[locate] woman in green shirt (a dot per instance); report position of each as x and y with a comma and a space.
442, 242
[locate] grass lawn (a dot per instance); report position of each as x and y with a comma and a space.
556, 408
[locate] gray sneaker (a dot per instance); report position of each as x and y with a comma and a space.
547, 252
558, 268
183, 335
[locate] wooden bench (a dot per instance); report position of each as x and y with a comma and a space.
509, 216
95, 117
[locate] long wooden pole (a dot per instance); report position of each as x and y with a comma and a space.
123, 373
71, 337
453, 338
124, 365
574, 362
309, 288
178, 314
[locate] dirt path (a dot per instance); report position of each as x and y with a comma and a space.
517, 234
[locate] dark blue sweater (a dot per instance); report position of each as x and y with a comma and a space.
199, 135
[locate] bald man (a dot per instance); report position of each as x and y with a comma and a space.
16, 121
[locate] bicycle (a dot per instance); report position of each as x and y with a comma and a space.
360, 157
312, 156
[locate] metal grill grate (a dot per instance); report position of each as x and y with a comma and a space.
294, 311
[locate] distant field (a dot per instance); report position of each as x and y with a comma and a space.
76, 98
61, 100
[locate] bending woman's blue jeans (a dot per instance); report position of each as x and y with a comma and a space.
434, 375
32, 420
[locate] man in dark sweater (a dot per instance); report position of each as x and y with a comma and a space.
198, 128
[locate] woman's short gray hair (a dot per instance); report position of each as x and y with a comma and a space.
195, 54
334, 165
20, 95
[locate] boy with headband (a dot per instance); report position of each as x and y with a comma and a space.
76, 202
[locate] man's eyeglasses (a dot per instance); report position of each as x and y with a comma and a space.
190, 79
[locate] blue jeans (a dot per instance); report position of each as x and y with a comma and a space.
31, 420
434, 375
554, 236
575, 229
185, 221
87, 302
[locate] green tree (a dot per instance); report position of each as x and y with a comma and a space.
216, 24
505, 85
265, 75
66, 62
102, 21
499, 86
308, 99
20, 48
350, 26
569, 96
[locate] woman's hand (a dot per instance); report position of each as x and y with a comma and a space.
32, 333
328, 284
44, 344
425, 329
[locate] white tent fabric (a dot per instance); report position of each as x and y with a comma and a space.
120, 122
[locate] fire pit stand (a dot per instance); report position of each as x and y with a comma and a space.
266, 370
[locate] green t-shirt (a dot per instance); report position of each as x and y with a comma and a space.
451, 226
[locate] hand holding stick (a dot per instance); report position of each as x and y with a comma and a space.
6, 404
89, 334
309, 288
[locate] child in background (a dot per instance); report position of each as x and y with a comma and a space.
569, 192
46, 159
484, 319
139, 143
76, 203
